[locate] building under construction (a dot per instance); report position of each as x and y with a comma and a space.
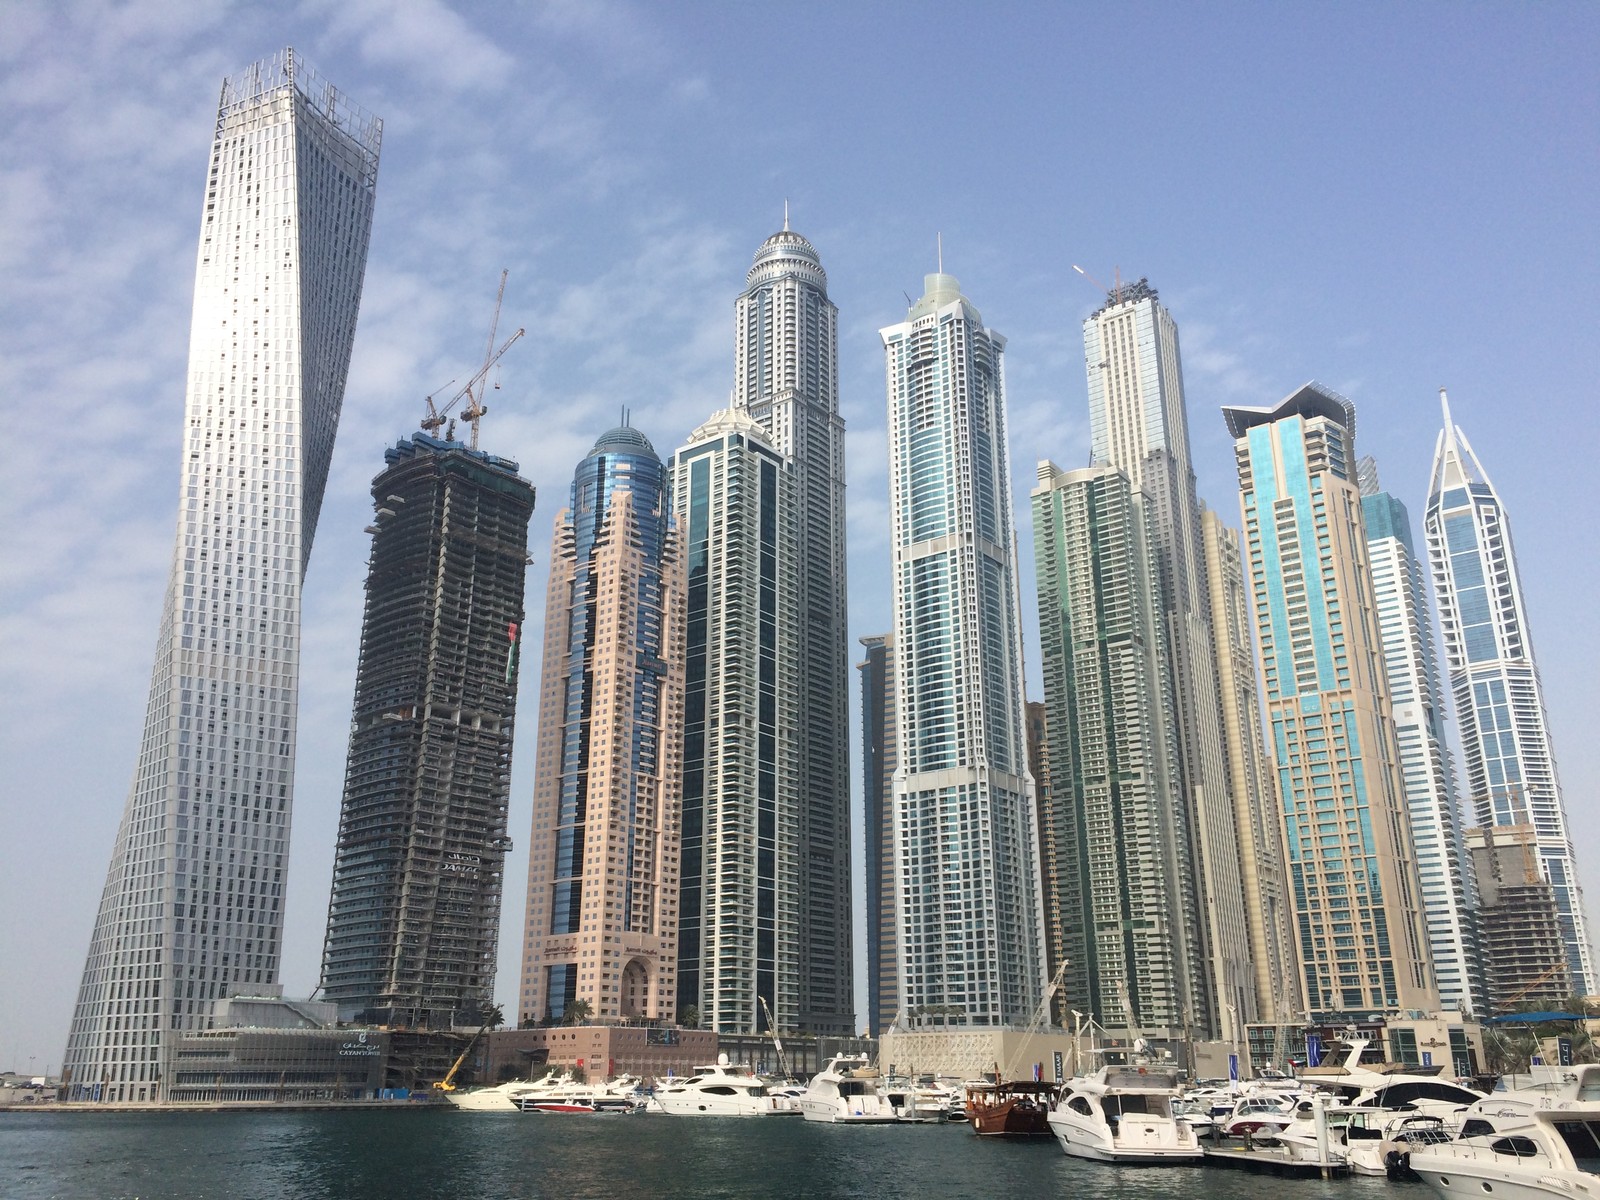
1525, 963
413, 919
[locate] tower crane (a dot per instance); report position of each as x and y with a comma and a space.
475, 407
777, 1046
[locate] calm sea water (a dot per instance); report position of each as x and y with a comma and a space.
420, 1155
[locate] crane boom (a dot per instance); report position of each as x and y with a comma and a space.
475, 407
777, 1045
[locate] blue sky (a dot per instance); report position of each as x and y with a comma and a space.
1384, 198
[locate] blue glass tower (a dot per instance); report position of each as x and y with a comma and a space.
602, 913
1509, 762
1358, 915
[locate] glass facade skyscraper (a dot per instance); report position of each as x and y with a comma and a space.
879, 756
192, 906
742, 863
1139, 424
1449, 894
418, 875
1362, 943
786, 378
1509, 763
602, 914
1122, 906
970, 922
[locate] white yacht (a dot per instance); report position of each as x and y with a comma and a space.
720, 1090
1395, 1086
507, 1097
846, 1092
620, 1095
1123, 1114
1529, 1144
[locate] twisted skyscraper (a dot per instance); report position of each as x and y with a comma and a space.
193, 903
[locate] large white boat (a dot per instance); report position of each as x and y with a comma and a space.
1124, 1114
1396, 1086
508, 1097
1530, 1144
847, 1092
720, 1090
620, 1095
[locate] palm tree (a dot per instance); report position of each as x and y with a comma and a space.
577, 1013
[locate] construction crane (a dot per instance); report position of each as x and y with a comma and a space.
1556, 969
777, 1045
447, 1084
475, 407
1115, 294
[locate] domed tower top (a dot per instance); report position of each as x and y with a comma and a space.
624, 439
786, 253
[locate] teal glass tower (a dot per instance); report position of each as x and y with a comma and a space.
1509, 762
970, 928
1362, 944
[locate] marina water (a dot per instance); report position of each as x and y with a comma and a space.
430, 1153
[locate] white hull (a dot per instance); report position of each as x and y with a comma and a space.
862, 1110
692, 1105
1508, 1182
1151, 1143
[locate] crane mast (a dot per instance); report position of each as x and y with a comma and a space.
475, 407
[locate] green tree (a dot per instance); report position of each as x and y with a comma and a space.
689, 1017
577, 1013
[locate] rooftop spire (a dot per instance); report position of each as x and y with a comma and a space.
786, 214
1454, 463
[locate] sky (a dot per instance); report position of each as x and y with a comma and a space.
1388, 199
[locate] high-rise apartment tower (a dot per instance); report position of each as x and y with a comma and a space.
1122, 898
1449, 894
1139, 424
879, 756
739, 899
1509, 763
192, 907
602, 912
786, 378
1362, 942
970, 919
414, 912
1255, 811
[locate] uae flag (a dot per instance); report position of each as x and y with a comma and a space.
514, 634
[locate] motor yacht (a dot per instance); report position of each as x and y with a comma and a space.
1254, 1114
508, 1097
720, 1090
1123, 1114
1395, 1086
1528, 1144
847, 1092
621, 1095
